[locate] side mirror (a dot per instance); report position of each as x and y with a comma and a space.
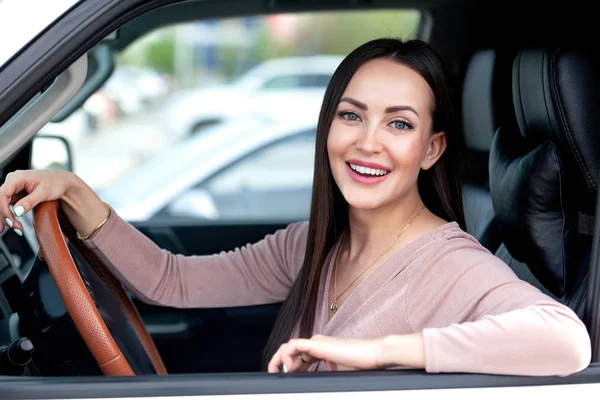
51, 152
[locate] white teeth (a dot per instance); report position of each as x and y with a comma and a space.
368, 171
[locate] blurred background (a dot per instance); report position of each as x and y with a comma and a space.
216, 118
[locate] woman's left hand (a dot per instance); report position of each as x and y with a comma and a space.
298, 355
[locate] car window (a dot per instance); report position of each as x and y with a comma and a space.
298, 81
283, 82
188, 123
315, 80
286, 163
273, 182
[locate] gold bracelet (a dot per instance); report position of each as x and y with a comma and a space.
100, 225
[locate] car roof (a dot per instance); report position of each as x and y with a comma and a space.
302, 65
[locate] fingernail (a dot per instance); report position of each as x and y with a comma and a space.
285, 370
8, 222
18, 232
19, 211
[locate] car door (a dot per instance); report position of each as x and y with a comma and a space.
59, 45
254, 194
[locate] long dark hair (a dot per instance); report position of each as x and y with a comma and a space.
439, 186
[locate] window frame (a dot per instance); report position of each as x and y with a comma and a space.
60, 45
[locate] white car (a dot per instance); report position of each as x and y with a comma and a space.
133, 88
263, 89
254, 169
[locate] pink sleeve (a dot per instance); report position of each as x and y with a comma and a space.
258, 273
537, 340
480, 318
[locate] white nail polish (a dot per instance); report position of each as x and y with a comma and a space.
284, 368
18, 232
19, 211
8, 222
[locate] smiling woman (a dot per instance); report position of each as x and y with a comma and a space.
210, 236
388, 165
386, 228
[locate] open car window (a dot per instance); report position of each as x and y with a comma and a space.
189, 140
178, 83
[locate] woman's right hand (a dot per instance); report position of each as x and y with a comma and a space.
26, 189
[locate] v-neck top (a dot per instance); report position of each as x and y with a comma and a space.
474, 313
367, 289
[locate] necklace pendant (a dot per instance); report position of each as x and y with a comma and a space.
333, 307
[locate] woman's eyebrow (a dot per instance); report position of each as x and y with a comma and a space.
388, 110
356, 103
401, 108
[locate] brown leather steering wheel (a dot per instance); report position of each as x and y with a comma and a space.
53, 230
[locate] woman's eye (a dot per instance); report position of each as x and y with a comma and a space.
350, 116
401, 125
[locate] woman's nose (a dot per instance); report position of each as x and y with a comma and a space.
369, 141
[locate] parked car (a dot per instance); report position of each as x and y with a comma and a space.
132, 89
75, 127
250, 170
261, 89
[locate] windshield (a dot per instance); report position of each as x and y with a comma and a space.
20, 34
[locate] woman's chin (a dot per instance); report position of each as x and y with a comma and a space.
361, 203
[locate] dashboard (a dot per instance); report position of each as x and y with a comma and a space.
37, 334
17, 256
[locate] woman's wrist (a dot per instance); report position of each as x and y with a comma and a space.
82, 206
402, 351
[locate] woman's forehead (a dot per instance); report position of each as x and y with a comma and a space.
382, 83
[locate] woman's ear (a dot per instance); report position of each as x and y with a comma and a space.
437, 146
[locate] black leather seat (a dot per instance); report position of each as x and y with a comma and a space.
486, 93
544, 172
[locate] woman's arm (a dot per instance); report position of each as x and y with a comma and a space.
340, 354
469, 313
477, 316
542, 340
258, 273
537, 340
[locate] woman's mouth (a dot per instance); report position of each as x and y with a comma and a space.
364, 174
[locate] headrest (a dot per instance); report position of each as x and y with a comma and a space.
543, 174
479, 122
557, 97
485, 96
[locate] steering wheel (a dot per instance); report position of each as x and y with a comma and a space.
101, 310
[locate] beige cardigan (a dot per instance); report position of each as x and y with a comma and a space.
475, 314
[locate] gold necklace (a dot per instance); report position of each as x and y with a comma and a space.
333, 306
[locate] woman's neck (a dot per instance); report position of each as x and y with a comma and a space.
373, 231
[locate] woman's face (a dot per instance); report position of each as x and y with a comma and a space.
381, 135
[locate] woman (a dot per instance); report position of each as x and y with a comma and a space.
383, 275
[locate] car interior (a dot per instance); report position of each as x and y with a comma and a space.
527, 94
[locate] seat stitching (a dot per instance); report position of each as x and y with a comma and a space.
563, 120
564, 218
